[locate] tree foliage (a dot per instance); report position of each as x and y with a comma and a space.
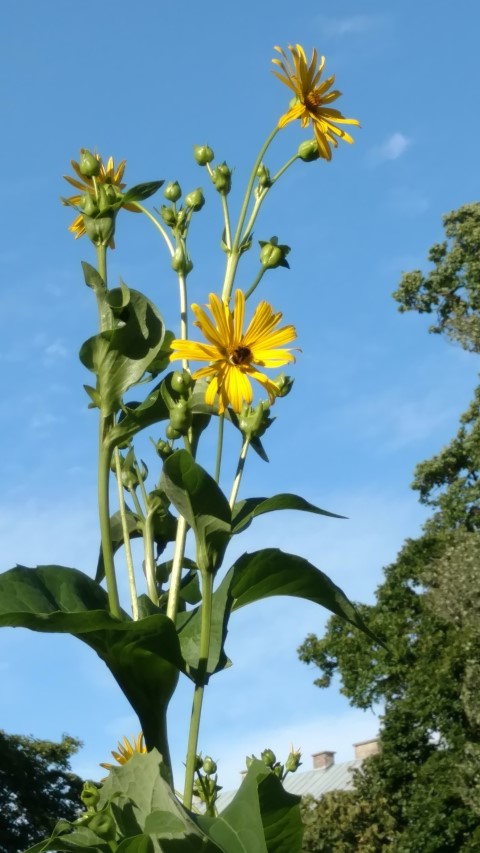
422, 791
37, 788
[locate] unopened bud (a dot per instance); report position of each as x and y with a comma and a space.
181, 381
195, 199
172, 191
163, 449
89, 165
100, 229
278, 769
180, 417
293, 761
209, 766
273, 254
180, 262
308, 150
172, 433
203, 154
222, 178
168, 215
284, 384
268, 757
263, 175
88, 205
103, 825
90, 795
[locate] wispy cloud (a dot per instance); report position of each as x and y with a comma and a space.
351, 25
393, 148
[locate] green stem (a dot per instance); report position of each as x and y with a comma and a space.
150, 565
234, 255
177, 566
126, 538
205, 629
283, 169
239, 472
218, 458
255, 282
226, 220
104, 459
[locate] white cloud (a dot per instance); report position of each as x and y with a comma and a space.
352, 25
391, 149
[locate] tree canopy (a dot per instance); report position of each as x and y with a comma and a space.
422, 791
37, 788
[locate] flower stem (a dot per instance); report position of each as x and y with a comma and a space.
239, 472
218, 458
177, 566
205, 628
126, 537
157, 225
104, 458
150, 565
255, 282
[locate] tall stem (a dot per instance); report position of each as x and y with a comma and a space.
205, 628
104, 459
126, 537
177, 566
239, 472
218, 459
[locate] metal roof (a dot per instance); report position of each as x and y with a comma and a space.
337, 777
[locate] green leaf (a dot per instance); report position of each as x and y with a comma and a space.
138, 416
137, 844
262, 817
144, 657
189, 626
197, 497
140, 192
120, 357
245, 511
92, 277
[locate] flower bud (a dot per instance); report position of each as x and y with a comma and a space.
263, 175
163, 449
180, 262
90, 795
103, 825
284, 384
88, 205
308, 150
254, 421
198, 763
268, 757
168, 215
278, 769
181, 381
203, 154
172, 433
172, 191
195, 199
103, 200
89, 165
180, 417
273, 254
222, 178
293, 761
209, 766
100, 229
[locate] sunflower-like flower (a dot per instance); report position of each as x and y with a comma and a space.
312, 98
233, 354
108, 175
126, 750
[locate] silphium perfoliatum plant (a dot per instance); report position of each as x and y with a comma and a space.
227, 375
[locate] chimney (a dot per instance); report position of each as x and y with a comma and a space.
366, 748
323, 760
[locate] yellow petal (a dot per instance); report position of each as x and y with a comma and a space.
238, 315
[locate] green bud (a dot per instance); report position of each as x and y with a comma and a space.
88, 205
181, 417
103, 200
209, 766
172, 433
268, 757
172, 191
180, 262
103, 825
181, 381
111, 193
88, 165
263, 175
90, 795
279, 770
168, 215
293, 761
163, 449
203, 154
308, 150
273, 254
254, 421
195, 199
221, 177
198, 763
284, 384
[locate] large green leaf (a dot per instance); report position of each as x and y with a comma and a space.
189, 626
262, 817
140, 192
138, 416
245, 511
144, 656
199, 499
120, 357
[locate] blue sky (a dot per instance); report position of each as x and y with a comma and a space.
374, 393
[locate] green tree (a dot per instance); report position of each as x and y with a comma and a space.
422, 792
37, 788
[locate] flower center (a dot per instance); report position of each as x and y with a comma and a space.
240, 355
312, 100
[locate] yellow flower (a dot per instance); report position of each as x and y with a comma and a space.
108, 174
312, 98
126, 750
233, 355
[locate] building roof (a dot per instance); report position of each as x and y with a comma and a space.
337, 777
